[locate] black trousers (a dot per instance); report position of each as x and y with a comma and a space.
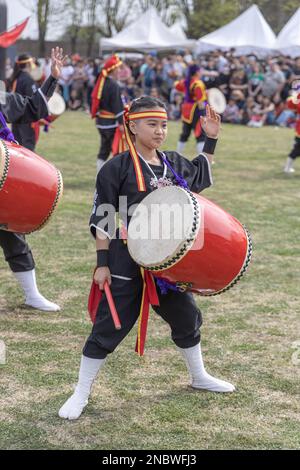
16, 251
25, 135
178, 309
295, 152
187, 128
107, 137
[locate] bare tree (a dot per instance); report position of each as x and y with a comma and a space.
44, 10
168, 10
75, 10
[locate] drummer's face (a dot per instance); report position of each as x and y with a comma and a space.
151, 132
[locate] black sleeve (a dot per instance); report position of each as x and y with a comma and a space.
49, 86
196, 172
22, 109
106, 200
202, 177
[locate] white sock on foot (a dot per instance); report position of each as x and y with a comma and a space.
33, 298
289, 165
75, 405
200, 378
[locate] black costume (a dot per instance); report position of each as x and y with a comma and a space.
22, 110
109, 116
117, 178
24, 132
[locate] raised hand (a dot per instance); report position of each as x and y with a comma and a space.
211, 123
57, 61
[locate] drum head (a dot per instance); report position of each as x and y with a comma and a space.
161, 225
56, 104
216, 100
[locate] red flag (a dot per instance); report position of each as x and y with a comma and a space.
10, 37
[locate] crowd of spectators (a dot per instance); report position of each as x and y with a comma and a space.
255, 90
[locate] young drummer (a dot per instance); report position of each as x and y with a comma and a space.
135, 174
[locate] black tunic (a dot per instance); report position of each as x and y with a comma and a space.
117, 178
21, 109
24, 133
111, 101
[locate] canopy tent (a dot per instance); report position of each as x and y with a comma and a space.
249, 33
147, 33
288, 40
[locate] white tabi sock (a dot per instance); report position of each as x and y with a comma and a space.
200, 146
74, 406
33, 298
100, 164
180, 146
289, 166
200, 378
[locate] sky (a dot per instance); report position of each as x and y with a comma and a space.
16, 12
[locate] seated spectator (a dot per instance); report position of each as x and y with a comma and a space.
274, 80
248, 110
239, 81
255, 80
232, 113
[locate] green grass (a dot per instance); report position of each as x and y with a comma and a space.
248, 332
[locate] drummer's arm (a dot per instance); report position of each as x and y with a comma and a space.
102, 273
211, 124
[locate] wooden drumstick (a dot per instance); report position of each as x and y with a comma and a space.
112, 306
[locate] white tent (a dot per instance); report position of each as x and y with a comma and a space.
248, 33
146, 34
288, 40
177, 29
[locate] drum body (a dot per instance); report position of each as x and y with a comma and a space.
30, 189
212, 249
216, 100
56, 106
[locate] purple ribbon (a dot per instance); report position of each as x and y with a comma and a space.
179, 179
5, 132
165, 286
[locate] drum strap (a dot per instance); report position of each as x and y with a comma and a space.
5, 132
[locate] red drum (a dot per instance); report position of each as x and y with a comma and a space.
30, 189
188, 240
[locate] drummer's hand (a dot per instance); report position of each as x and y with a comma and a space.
211, 123
101, 276
57, 61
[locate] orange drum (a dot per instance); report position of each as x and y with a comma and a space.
30, 189
188, 240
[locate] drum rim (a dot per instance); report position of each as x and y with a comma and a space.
56, 201
4, 163
173, 259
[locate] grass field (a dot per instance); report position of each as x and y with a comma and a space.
249, 333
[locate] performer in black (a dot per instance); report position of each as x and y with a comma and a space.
22, 110
133, 174
107, 107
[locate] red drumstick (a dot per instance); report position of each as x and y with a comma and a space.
112, 306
